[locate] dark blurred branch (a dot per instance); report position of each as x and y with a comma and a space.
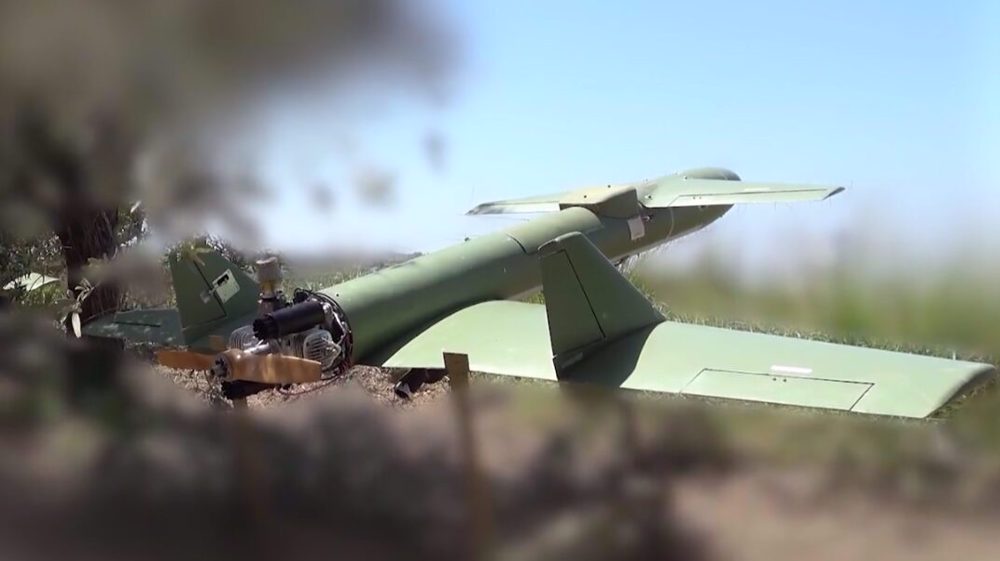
93, 93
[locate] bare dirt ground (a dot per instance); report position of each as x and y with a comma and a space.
753, 510
772, 517
377, 383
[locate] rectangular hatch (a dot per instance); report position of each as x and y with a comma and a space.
776, 388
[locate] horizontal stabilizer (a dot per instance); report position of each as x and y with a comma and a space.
160, 327
214, 296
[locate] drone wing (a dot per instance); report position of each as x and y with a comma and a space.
708, 187
685, 191
597, 328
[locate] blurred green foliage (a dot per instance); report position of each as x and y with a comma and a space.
946, 311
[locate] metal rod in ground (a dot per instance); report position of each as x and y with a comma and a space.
476, 487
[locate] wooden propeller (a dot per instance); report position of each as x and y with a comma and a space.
184, 360
270, 368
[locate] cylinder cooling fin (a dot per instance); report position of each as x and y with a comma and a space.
320, 347
243, 338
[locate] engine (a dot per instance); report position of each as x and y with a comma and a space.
311, 330
310, 327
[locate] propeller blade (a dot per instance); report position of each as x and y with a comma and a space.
184, 360
271, 368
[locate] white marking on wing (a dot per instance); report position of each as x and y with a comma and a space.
791, 369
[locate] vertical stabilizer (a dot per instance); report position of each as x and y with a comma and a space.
587, 301
210, 291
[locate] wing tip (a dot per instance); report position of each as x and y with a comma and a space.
835, 191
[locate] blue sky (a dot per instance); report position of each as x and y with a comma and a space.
896, 100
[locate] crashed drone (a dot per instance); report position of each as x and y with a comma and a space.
594, 326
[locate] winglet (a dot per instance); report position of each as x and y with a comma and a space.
587, 301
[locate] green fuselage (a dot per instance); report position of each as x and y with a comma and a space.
595, 327
387, 305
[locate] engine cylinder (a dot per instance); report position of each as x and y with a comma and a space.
319, 346
243, 339
292, 319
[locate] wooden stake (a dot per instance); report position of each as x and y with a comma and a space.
476, 488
